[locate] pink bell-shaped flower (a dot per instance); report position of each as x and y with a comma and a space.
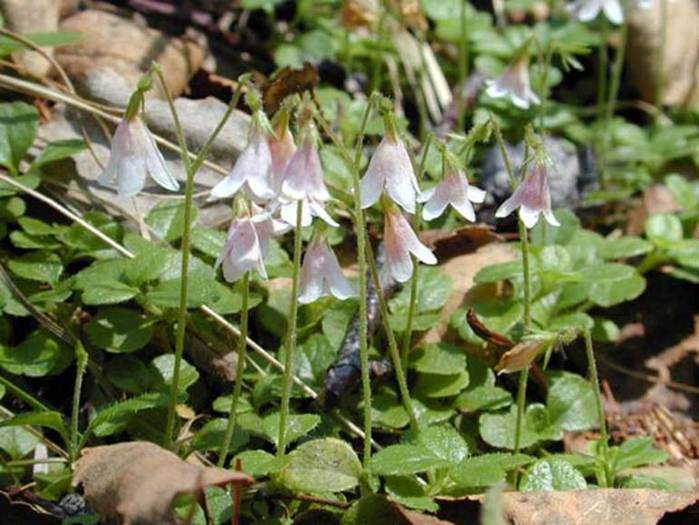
134, 155
587, 10
400, 241
390, 169
454, 190
303, 181
248, 244
321, 274
282, 147
514, 83
532, 197
252, 168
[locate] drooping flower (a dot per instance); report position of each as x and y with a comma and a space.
321, 274
514, 83
303, 181
390, 169
532, 197
400, 241
587, 10
248, 244
134, 155
282, 147
454, 190
252, 168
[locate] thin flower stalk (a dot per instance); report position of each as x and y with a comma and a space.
407, 336
291, 336
191, 167
240, 371
81, 359
602, 420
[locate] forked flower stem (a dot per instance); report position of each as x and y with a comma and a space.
239, 371
392, 345
191, 168
291, 335
602, 420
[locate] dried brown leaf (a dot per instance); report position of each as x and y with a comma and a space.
137, 482
591, 507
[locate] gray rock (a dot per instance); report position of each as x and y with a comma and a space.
27, 17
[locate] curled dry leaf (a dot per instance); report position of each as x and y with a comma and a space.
136, 482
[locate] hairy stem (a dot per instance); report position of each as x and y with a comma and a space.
291, 337
81, 359
594, 379
240, 370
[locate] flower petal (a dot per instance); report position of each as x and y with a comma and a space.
613, 11
551, 218
475, 194
464, 207
131, 177
437, 203
529, 216
318, 210
157, 167
507, 207
370, 188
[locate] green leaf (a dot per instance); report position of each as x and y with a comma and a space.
120, 330
297, 426
108, 292
402, 460
551, 474
259, 463
483, 398
444, 441
313, 358
85, 243
498, 272
434, 289
211, 436
44, 267
202, 289
623, 247
164, 367
436, 386
129, 374
166, 219
438, 359
30, 180
101, 424
682, 190
59, 150
663, 229
646, 482
149, 265
101, 271
409, 493
322, 465
686, 253
613, 283
387, 411
498, 430
486, 469
38, 355
34, 226
374, 509
50, 419
636, 452
17, 441
496, 314
18, 126
605, 330
571, 402
208, 241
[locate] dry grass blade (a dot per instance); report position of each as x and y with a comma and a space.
136, 482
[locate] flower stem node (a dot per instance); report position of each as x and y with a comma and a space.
134, 155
